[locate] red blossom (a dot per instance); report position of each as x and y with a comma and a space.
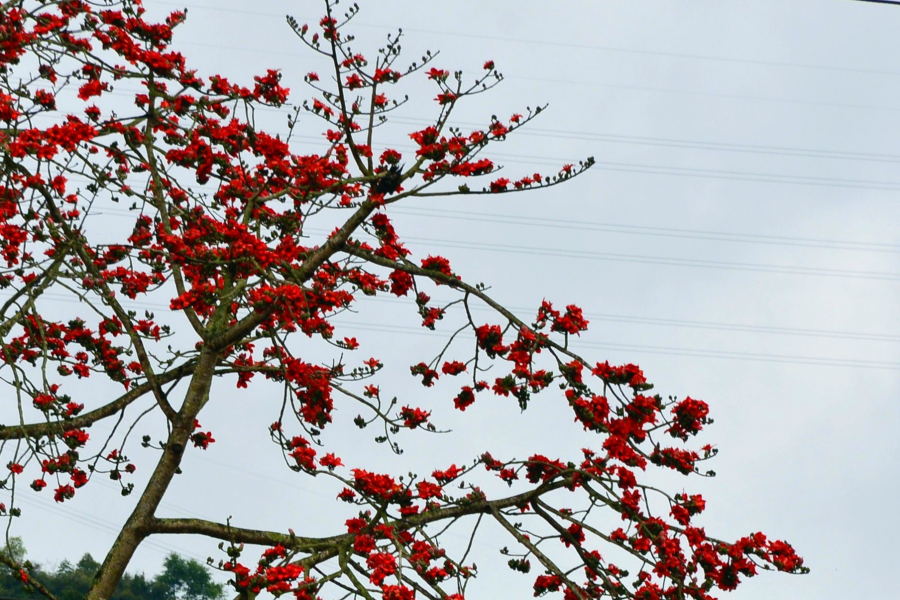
413, 417
447, 475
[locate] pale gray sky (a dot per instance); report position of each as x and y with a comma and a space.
738, 239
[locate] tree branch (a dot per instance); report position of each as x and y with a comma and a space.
9, 562
31, 430
230, 533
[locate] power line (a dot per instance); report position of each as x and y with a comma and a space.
692, 352
746, 176
553, 223
632, 319
674, 351
692, 324
693, 234
626, 167
95, 523
664, 142
604, 85
657, 260
532, 42
637, 258
683, 143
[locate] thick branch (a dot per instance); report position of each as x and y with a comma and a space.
32, 430
136, 528
229, 533
334, 244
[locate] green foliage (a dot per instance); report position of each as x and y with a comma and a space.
186, 580
180, 579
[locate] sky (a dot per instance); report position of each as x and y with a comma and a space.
738, 238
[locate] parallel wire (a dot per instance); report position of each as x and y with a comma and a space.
683, 143
633, 258
617, 318
673, 351
698, 353
692, 234
656, 260
70, 513
664, 142
533, 42
627, 167
554, 223
597, 84
692, 324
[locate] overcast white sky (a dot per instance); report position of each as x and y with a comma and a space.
738, 239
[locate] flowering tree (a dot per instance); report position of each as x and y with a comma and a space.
221, 214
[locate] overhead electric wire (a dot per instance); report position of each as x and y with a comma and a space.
746, 176
638, 258
691, 352
618, 318
631, 87
681, 143
698, 353
553, 223
664, 142
594, 83
70, 513
540, 42
620, 86
660, 260
691, 234
690, 324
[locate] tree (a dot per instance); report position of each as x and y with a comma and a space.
181, 579
222, 214
185, 579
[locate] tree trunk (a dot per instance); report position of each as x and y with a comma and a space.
136, 527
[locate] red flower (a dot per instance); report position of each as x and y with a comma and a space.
75, 438
453, 368
330, 461
413, 417
690, 416
63, 493
364, 544
464, 399
575, 535
397, 592
202, 440
448, 475
382, 565
429, 490
499, 185
546, 583
79, 478
92, 88
428, 374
